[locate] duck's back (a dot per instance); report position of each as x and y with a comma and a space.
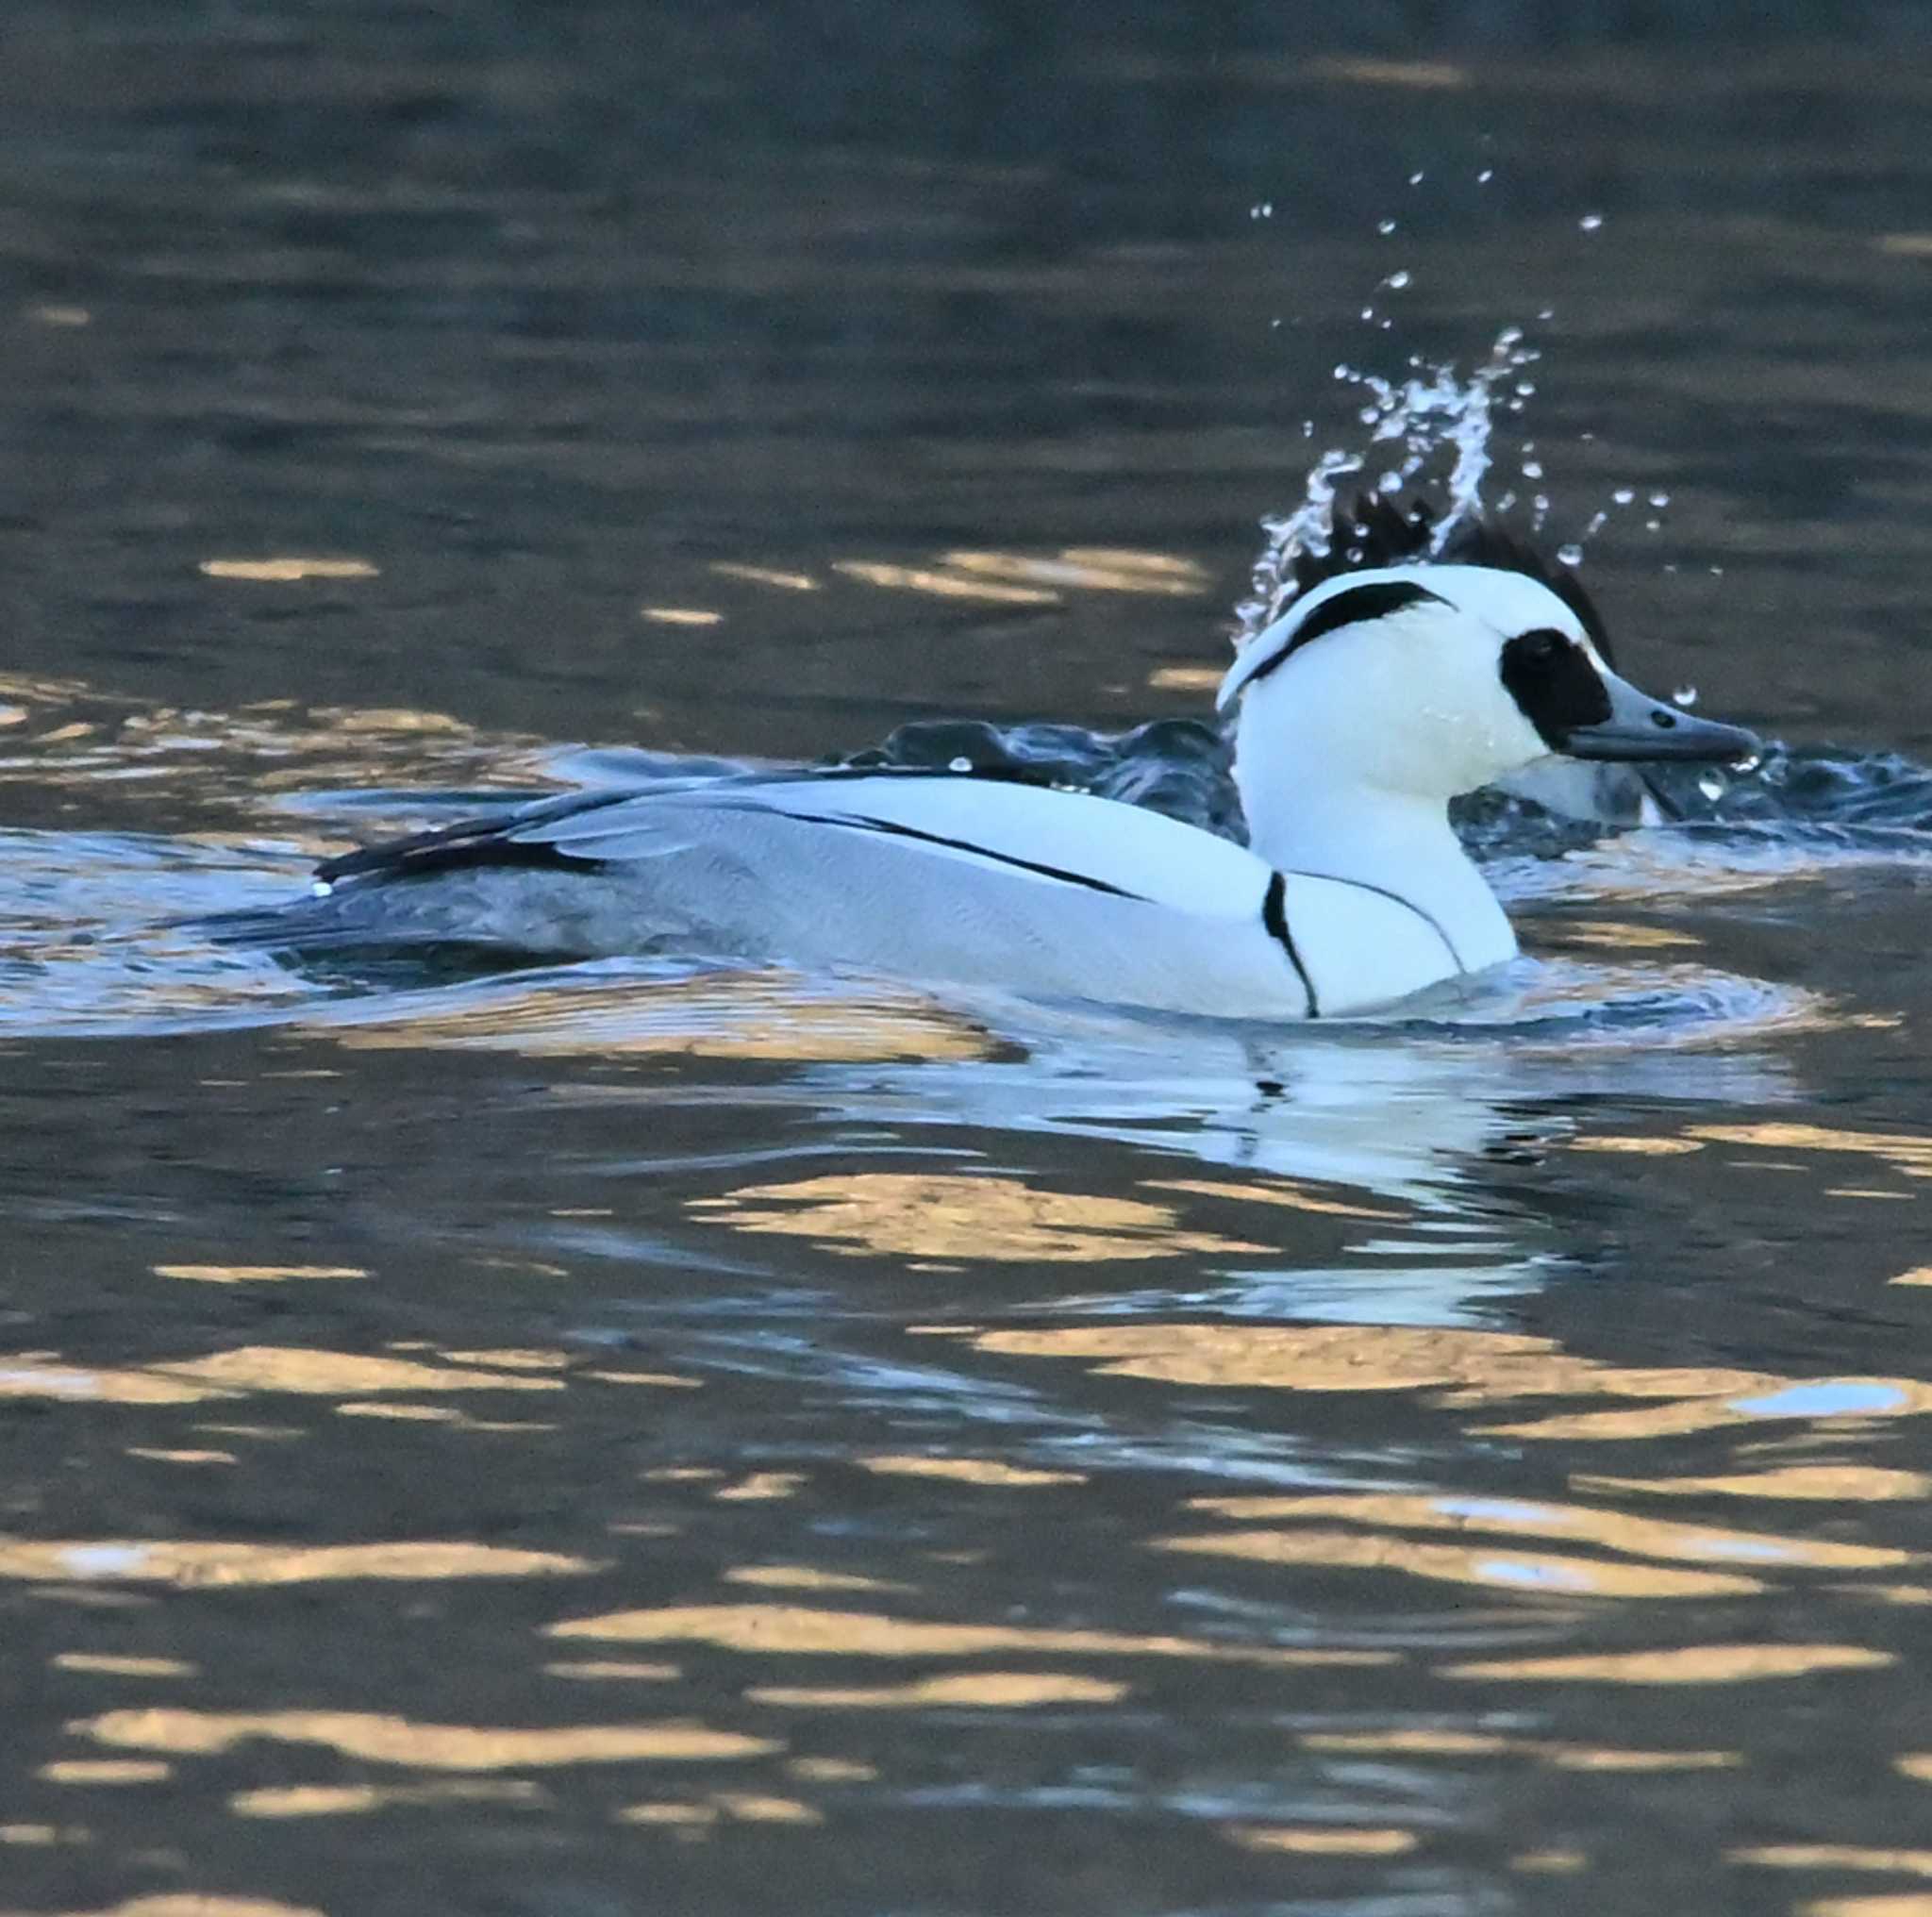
937, 878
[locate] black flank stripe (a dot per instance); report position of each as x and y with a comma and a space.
1348, 609
1408, 904
896, 831
1275, 920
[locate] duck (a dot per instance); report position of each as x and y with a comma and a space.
1404, 670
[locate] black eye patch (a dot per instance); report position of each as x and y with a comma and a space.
1553, 682
1348, 609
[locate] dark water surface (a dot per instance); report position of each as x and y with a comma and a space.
627, 1440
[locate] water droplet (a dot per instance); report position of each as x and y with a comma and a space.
1532, 469
1389, 482
1540, 510
1624, 495
1547, 313
1525, 388
1368, 312
1571, 554
1308, 429
1415, 179
1273, 323
1588, 438
1685, 696
1653, 525
1660, 498
1487, 174
1398, 280
1369, 415
1717, 571
1591, 221
960, 765
1385, 228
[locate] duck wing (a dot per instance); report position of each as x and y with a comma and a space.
1015, 829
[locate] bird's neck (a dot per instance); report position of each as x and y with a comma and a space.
1398, 843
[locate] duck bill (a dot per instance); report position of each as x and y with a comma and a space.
1639, 727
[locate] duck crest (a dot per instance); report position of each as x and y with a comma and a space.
1370, 532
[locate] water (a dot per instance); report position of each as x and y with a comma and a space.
643, 1438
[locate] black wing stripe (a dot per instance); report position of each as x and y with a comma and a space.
1275, 920
897, 831
471, 842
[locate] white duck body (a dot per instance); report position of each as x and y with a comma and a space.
1370, 703
967, 879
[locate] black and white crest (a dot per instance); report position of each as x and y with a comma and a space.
1371, 532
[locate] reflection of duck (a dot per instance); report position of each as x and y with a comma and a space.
1381, 692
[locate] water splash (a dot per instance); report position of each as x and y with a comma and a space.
1432, 415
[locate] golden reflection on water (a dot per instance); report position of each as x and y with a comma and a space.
989, 1470
761, 1487
944, 585
680, 615
377, 1739
1324, 1839
198, 1904
1685, 1664
801, 1630
188, 1566
1470, 1369
741, 1806
923, 1215
1546, 1571
109, 1771
1828, 1856
1908, 1904
353, 1800
1800, 1483
753, 1014
1552, 1753
807, 1578
765, 576
1611, 1530
1904, 1152
1026, 579
102, 1665
1293, 1198
1090, 569
287, 571
974, 1690
614, 1670
256, 1274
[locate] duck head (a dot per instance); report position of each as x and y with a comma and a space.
1428, 680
